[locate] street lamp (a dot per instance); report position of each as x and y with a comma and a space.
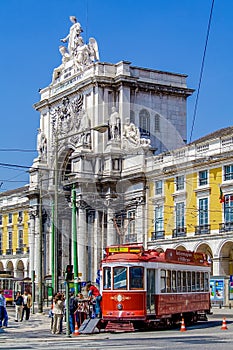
101, 129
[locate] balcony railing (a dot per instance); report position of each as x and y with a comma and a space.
157, 235
225, 227
202, 230
9, 251
179, 232
19, 250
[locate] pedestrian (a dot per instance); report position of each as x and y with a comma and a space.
18, 306
3, 310
27, 304
58, 309
72, 309
94, 297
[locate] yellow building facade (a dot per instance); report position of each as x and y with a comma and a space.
191, 201
14, 228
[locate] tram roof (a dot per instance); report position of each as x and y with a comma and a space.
136, 253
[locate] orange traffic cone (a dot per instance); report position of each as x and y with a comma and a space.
76, 332
182, 328
224, 324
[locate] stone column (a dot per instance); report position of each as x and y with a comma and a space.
82, 243
111, 231
97, 244
37, 251
31, 241
216, 266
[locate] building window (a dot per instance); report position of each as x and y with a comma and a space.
20, 216
203, 178
9, 240
179, 215
0, 219
228, 172
180, 183
10, 218
159, 218
203, 212
116, 164
20, 239
157, 122
158, 187
131, 222
144, 122
228, 208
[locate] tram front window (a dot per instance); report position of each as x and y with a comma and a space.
107, 278
119, 278
136, 277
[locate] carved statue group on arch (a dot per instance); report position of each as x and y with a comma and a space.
81, 53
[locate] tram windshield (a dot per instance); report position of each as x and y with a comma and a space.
120, 276
136, 277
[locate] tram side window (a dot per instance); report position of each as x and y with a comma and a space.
198, 282
193, 281
107, 278
163, 281
206, 282
136, 277
119, 278
174, 282
202, 281
189, 281
179, 289
168, 281
184, 281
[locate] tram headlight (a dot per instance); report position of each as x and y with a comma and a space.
119, 306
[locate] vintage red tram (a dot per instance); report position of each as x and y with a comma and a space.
144, 288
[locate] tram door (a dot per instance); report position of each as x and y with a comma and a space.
150, 303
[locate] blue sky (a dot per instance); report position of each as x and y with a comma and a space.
164, 35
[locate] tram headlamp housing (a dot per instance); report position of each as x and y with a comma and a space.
119, 306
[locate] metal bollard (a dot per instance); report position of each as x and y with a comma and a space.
229, 305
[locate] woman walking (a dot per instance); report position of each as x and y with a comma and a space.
58, 308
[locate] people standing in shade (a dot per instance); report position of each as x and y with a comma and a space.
18, 306
27, 304
58, 310
95, 297
3, 310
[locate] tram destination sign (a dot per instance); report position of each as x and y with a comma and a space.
183, 256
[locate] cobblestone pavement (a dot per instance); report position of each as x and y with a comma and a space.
38, 326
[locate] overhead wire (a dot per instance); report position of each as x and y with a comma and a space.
201, 71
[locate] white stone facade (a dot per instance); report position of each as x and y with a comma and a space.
145, 112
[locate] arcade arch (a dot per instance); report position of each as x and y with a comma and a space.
10, 267
226, 259
19, 270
